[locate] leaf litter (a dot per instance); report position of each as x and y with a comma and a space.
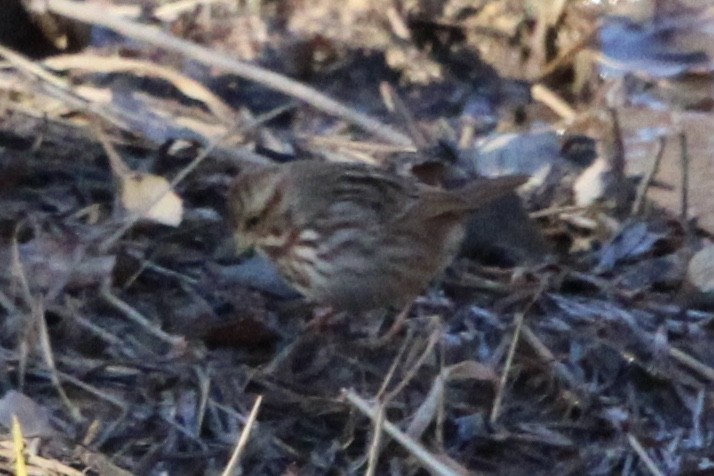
576, 341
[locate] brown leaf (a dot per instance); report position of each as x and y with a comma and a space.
151, 196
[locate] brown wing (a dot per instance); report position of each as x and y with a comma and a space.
353, 189
381, 198
478, 193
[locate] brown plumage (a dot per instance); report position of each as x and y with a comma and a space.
352, 236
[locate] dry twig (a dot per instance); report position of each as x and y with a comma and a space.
637, 447
647, 179
243, 439
427, 460
97, 16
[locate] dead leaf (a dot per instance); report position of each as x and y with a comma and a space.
663, 47
633, 241
701, 270
34, 419
470, 369
152, 197
426, 412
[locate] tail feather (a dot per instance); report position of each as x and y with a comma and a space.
483, 191
472, 196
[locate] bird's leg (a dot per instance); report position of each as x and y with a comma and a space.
395, 328
321, 315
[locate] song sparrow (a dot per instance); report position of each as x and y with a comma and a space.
351, 236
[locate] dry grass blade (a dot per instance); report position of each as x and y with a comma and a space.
375, 446
431, 406
425, 458
107, 337
124, 118
637, 447
647, 179
557, 104
548, 358
60, 88
19, 447
404, 114
39, 315
243, 439
694, 364
136, 317
411, 373
88, 388
188, 86
38, 465
204, 383
495, 410
18, 274
94, 15
347, 143
395, 363
546, 212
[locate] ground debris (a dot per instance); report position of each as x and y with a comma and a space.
573, 335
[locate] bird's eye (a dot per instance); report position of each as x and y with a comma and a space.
251, 222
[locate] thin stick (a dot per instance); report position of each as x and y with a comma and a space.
170, 11
119, 168
425, 458
689, 361
188, 86
243, 439
204, 386
109, 242
405, 115
137, 318
558, 210
411, 373
684, 211
560, 370
497, 401
100, 333
557, 104
119, 117
18, 272
364, 146
376, 441
60, 88
393, 368
84, 386
441, 409
376, 444
637, 447
647, 180
393, 329
95, 15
